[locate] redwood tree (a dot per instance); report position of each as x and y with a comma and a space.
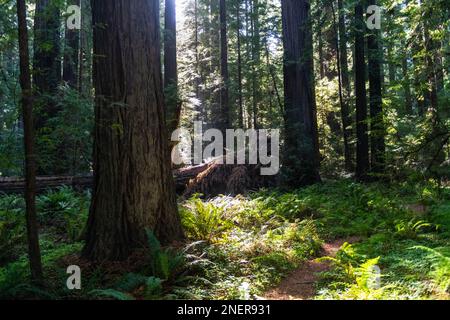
46, 60
173, 107
34, 253
301, 137
133, 185
377, 129
362, 147
46, 78
224, 88
71, 53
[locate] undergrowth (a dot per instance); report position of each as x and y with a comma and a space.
239, 247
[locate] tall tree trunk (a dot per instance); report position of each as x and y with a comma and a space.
85, 60
256, 57
71, 53
133, 185
431, 66
377, 127
215, 54
46, 78
224, 87
239, 61
34, 252
301, 154
173, 107
46, 60
344, 85
198, 111
321, 54
362, 148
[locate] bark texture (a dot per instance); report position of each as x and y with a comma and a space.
377, 128
362, 148
173, 107
224, 89
34, 252
301, 155
71, 53
133, 186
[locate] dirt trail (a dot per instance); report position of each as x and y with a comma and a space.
299, 285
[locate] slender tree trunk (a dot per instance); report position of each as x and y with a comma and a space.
301, 155
216, 116
256, 57
430, 48
173, 107
71, 53
198, 111
344, 87
34, 252
224, 88
239, 58
362, 149
133, 185
377, 127
273, 75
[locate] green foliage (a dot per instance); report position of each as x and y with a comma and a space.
65, 211
12, 227
65, 142
111, 294
153, 288
164, 263
410, 229
204, 220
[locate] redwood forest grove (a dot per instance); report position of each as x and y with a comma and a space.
224, 150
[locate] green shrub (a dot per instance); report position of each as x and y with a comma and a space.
204, 220
12, 228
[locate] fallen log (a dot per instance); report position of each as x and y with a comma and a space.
11, 185
209, 179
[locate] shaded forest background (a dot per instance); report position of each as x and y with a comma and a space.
413, 54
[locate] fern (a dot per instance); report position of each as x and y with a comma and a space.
111, 293
153, 289
130, 282
163, 262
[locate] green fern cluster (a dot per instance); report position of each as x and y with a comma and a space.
204, 220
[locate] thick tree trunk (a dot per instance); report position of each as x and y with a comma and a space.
301, 154
224, 87
133, 186
71, 53
173, 107
377, 128
34, 252
362, 149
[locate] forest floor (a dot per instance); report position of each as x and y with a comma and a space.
302, 283
327, 241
